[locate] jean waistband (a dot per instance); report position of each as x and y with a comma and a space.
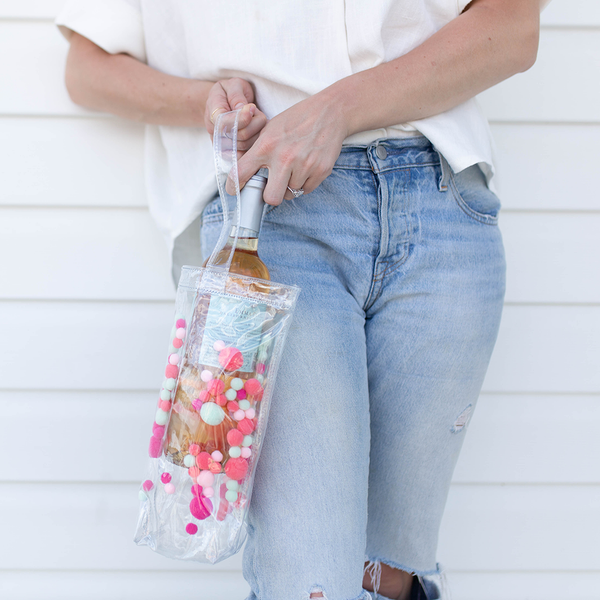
389, 153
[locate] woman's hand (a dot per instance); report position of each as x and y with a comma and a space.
299, 147
232, 94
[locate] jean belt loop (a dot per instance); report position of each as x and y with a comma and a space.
446, 171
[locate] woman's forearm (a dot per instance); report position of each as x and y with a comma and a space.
488, 43
123, 86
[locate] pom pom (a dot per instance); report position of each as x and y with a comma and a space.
180, 323
203, 460
214, 467
177, 343
191, 528
241, 394
189, 460
209, 492
238, 415
142, 496
158, 430
165, 406
161, 417
233, 406
219, 345
236, 468
194, 449
221, 400
246, 426
252, 386
170, 384
235, 452
247, 440
231, 496
206, 479
206, 376
244, 404
231, 359
260, 368
216, 455
193, 472
165, 477
155, 447
180, 333
147, 485
196, 490
216, 387
246, 452
250, 413
237, 384
235, 437
170, 488
212, 414
174, 359
200, 507
165, 395
172, 371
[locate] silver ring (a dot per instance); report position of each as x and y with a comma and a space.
296, 193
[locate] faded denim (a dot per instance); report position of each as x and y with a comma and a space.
402, 269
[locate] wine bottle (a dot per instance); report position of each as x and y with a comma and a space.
224, 347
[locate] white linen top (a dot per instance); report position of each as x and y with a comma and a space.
288, 50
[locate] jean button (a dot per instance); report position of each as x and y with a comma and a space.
381, 152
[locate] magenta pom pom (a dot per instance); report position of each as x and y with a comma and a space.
180, 323
158, 430
165, 477
147, 485
191, 528
241, 395
200, 507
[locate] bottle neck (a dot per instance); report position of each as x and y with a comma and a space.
247, 239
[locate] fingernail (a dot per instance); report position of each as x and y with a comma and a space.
252, 109
239, 105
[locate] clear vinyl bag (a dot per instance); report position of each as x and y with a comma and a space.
224, 350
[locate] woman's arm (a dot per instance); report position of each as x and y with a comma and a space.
488, 43
122, 85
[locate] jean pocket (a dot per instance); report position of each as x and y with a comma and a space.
473, 196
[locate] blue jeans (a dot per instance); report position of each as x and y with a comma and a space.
401, 266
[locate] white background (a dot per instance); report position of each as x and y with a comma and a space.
83, 342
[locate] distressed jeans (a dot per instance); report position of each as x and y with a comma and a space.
402, 269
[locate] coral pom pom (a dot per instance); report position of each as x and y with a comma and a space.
246, 426
203, 460
214, 467
172, 371
222, 400
236, 468
165, 405
177, 343
252, 386
231, 359
235, 437
194, 449
233, 406
193, 472
155, 447
191, 528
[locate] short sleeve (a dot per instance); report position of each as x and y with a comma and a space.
114, 25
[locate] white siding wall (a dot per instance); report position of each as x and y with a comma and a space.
83, 341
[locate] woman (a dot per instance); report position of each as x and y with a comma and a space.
366, 116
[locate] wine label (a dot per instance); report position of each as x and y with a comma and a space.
236, 322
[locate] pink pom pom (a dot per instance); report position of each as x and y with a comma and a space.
165, 405
158, 430
206, 479
246, 426
170, 488
238, 415
250, 413
200, 507
209, 492
197, 403
252, 386
147, 485
191, 528
222, 400
203, 396
219, 345
260, 368
216, 387
177, 343
155, 447
180, 323
165, 477
246, 452
173, 359
233, 406
235, 437
171, 371
194, 449
206, 376
196, 490
180, 333
231, 359
216, 455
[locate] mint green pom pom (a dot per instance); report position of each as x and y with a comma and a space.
211, 413
143, 496
232, 485
247, 440
235, 451
165, 395
170, 384
244, 404
231, 496
161, 417
189, 460
237, 383
231, 394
